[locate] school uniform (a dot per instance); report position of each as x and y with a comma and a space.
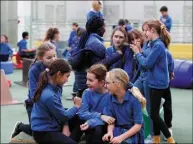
158, 79
93, 13
49, 116
127, 114
168, 99
23, 46
126, 62
129, 27
97, 54
56, 46
167, 21
5, 51
92, 107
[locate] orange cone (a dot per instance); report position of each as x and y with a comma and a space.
6, 98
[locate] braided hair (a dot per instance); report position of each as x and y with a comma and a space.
93, 25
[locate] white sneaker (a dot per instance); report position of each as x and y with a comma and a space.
148, 140
170, 129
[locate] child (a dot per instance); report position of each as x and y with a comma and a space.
126, 62
128, 25
158, 77
125, 108
45, 54
91, 120
165, 18
53, 35
23, 50
72, 34
95, 11
91, 50
48, 117
5, 49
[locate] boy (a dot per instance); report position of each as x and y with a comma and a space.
165, 18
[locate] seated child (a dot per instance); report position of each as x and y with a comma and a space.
125, 108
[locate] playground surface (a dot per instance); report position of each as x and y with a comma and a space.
10, 114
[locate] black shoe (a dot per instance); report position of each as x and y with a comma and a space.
16, 129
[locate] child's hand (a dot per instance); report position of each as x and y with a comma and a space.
108, 119
172, 76
108, 137
116, 140
77, 102
134, 48
84, 126
66, 130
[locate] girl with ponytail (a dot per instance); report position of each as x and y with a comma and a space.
45, 54
49, 119
158, 76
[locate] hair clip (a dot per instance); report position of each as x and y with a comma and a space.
47, 69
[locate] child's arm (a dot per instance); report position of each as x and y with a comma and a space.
66, 130
109, 135
136, 92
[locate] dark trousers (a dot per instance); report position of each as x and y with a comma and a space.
158, 123
52, 138
30, 54
4, 57
27, 127
168, 108
93, 136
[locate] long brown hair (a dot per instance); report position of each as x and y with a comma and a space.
161, 30
99, 70
135, 34
58, 65
121, 29
42, 49
51, 33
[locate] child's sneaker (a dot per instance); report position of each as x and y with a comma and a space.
16, 129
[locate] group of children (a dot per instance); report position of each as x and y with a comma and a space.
112, 86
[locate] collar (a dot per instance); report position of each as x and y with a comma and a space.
126, 98
97, 36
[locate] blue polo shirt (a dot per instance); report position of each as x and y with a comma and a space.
93, 104
127, 114
22, 45
6, 49
48, 113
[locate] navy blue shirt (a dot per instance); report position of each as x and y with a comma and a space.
170, 61
127, 114
93, 13
6, 49
93, 104
157, 64
126, 62
70, 40
48, 114
167, 21
33, 76
22, 45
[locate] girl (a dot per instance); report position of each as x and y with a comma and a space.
45, 54
91, 50
126, 62
53, 35
158, 77
90, 117
48, 116
5, 49
125, 108
95, 11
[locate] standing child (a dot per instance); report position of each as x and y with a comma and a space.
45, 54
53, 35
118, 38
165, 18
96, 9
49, 119
5, 49
158, 76
125, 108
